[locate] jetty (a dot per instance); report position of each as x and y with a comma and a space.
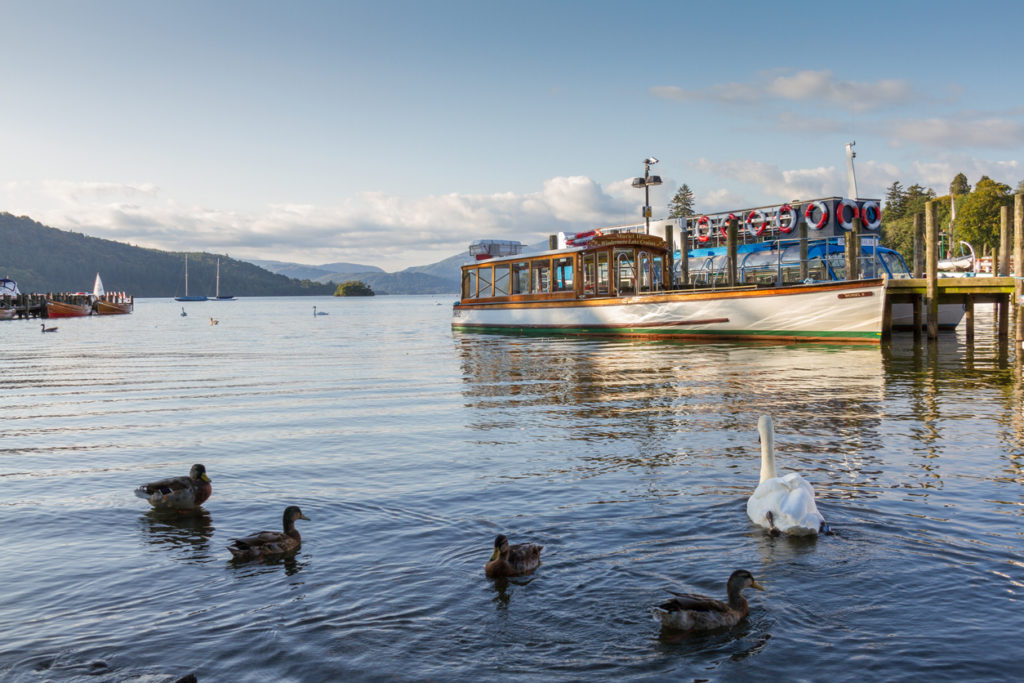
33, 305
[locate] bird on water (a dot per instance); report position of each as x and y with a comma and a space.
693, 612
268, 545
48, 329
512, 560
181, 494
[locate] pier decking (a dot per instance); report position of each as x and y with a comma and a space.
952, 290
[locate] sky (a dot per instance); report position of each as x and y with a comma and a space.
393, 133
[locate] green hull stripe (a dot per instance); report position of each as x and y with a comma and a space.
666, 332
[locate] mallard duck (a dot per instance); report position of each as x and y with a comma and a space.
782, 504
692, 612
271, 544
178, 493
512, 560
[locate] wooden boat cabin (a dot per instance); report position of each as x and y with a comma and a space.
623, 264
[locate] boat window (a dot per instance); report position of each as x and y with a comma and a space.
540, 277
589, 274
520, 277
895, 264
484, 278
563, 274
602, 272
625, 272
469, 283
644, 260
657, 271
501, 280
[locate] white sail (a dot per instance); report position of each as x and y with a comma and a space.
97, 288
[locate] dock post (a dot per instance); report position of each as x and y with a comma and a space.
804, 274
852, 255
730, 250
1018, 269
552, 242
917, 318
969, 316
1004, 240
918, 245
932, 269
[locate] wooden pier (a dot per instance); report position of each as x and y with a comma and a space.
28, 306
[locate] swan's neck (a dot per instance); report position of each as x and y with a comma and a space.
767, 453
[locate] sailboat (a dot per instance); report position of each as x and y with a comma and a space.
110, 303
217, 296
187, 297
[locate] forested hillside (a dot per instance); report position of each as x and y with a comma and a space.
44, 259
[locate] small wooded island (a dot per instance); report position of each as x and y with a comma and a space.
353, 288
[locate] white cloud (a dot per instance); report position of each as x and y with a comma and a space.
963, 131
800, 86
378, 228
775, 183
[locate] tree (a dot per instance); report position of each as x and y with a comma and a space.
894, 201
682, 204
960, 186
353, 288
977, 215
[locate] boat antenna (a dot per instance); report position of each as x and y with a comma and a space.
851, 177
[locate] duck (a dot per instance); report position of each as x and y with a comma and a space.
267, 545
783, 505
512, 560
214, 322
48, 329
178, 493
693, 612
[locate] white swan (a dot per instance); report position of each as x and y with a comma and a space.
782, 504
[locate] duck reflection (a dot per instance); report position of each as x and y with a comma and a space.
189, 533
291, 564
502, 595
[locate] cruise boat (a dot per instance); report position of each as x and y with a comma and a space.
619, 282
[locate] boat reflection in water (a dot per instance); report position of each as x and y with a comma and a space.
188, 535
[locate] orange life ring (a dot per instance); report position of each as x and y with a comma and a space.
786, 209
703, 237
750, 222
871, 215
841, 208
820, 206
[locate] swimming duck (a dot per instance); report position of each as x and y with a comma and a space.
267, 545
512, 560
782, 504
178, 493
692, 612
48, 329
214, 322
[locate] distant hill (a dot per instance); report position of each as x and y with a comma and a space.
439, 278
44, 259
322, 273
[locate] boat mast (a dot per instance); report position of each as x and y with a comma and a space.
218, 278
186, 274
851, 178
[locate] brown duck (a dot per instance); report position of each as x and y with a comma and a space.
178, 493
267, 545
512, 560
692, 612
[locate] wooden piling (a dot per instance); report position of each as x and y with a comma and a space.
1004, 240
969, 316
918, 245
730, 250
917, 318
804, 272
932, 269
1018, 269
552, 242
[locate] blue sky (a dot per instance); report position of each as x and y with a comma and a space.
394, 133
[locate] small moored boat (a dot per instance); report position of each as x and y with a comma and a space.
110, 303
77, 307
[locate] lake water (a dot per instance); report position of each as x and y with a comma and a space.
410, 448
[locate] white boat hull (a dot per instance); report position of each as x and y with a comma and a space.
950, 316
839, 311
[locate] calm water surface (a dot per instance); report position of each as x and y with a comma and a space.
410, 448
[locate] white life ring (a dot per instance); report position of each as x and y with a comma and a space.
703, 235
841, 213
871, 215
788, 210
581, 238
756, 222
823, 209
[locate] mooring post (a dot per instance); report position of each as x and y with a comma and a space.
917, 318
932, 269
730, 250
1004, 240
969, 316
918, 245
1018, 268
552, 242
804, 273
